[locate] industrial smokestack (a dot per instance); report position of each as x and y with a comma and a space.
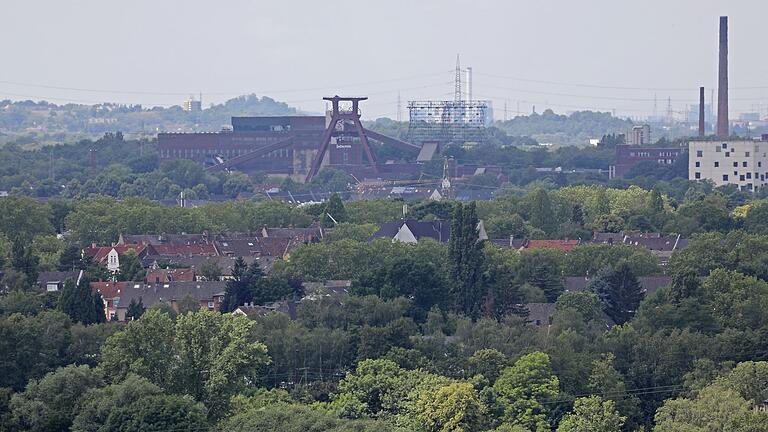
469, 84
702, 124
722, 81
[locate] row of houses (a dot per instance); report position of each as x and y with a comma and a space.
188, 253
208, 294
412, 231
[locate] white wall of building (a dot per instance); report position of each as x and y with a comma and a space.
739, 162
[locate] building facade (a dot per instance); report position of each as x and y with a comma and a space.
249, 134
741, 162
638, 135
449, 121
627, 156
191, 105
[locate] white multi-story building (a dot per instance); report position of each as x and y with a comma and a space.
742, 162
638, 135
192, 105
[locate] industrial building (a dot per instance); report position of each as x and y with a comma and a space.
742, 162
192, 105
298, 146
627, 156
451, 121
638, 135
638, 149
249, 134
722, 159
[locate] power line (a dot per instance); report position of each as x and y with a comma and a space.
599, 86
218, 93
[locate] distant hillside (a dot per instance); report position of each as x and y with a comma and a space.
574, 129
28, 122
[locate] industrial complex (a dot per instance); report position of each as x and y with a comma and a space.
299, 146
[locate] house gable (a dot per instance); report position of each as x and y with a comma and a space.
405, 235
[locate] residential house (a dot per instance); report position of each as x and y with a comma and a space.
109, 256
336, 290
52, 281
312, 234
662, 247
314, 291
111, 293
412, 231
286, 307
161, 275
225, 263
164, 239
540, 314
118, 295
561, 245
510, 243
170, 251
649, 284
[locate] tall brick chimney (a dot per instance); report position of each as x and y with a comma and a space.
722, 81
702, 124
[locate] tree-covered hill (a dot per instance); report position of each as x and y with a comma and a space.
29, 122
574, 129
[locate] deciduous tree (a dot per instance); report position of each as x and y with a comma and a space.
524, 390
592, 414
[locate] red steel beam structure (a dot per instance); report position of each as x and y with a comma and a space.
339, 116
394, 142
252, 155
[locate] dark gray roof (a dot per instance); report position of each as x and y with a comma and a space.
153, 293
57, 276
665, 244
576, 283
286, 307
650, 284
162, 239
313, 231
239, 247
330, 288
225, 263
439, 230
475, 195
540, 314
608, 238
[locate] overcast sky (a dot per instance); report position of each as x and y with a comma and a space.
154, 52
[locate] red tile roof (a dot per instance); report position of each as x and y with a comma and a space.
110, 290
170, 275
99, 253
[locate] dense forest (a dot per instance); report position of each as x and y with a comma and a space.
431, 337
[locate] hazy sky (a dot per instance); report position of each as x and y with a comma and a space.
155, 52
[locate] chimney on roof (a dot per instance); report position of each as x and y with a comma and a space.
722, 81
702, 131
